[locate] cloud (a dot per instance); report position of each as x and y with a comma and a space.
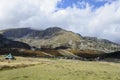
17, 12
103, 22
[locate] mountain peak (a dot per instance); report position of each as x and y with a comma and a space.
54, 29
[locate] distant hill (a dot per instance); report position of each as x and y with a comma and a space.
57, 38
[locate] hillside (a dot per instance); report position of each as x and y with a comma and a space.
7, 43
57, 38
21, 49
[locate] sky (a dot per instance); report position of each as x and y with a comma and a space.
95, 18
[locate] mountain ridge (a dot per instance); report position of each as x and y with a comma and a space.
55, 37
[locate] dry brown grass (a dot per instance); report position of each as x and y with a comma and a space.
52, 52
34, 53
18, 63
87, 51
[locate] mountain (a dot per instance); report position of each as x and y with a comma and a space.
57, 38
7, 43
16, 33
115, 55
30, 33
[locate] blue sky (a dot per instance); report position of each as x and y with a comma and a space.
94, 3
96, 18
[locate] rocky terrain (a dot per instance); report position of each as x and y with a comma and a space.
57, 43
57, 38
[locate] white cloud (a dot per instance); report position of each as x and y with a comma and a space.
15, 12
104, 22
107, 21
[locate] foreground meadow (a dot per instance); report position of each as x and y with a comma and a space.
60, 69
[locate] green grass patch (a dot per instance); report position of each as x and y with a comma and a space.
49, 69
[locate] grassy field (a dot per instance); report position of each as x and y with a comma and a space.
61, 69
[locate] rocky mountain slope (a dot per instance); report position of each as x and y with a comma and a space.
6, 43
57, 38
